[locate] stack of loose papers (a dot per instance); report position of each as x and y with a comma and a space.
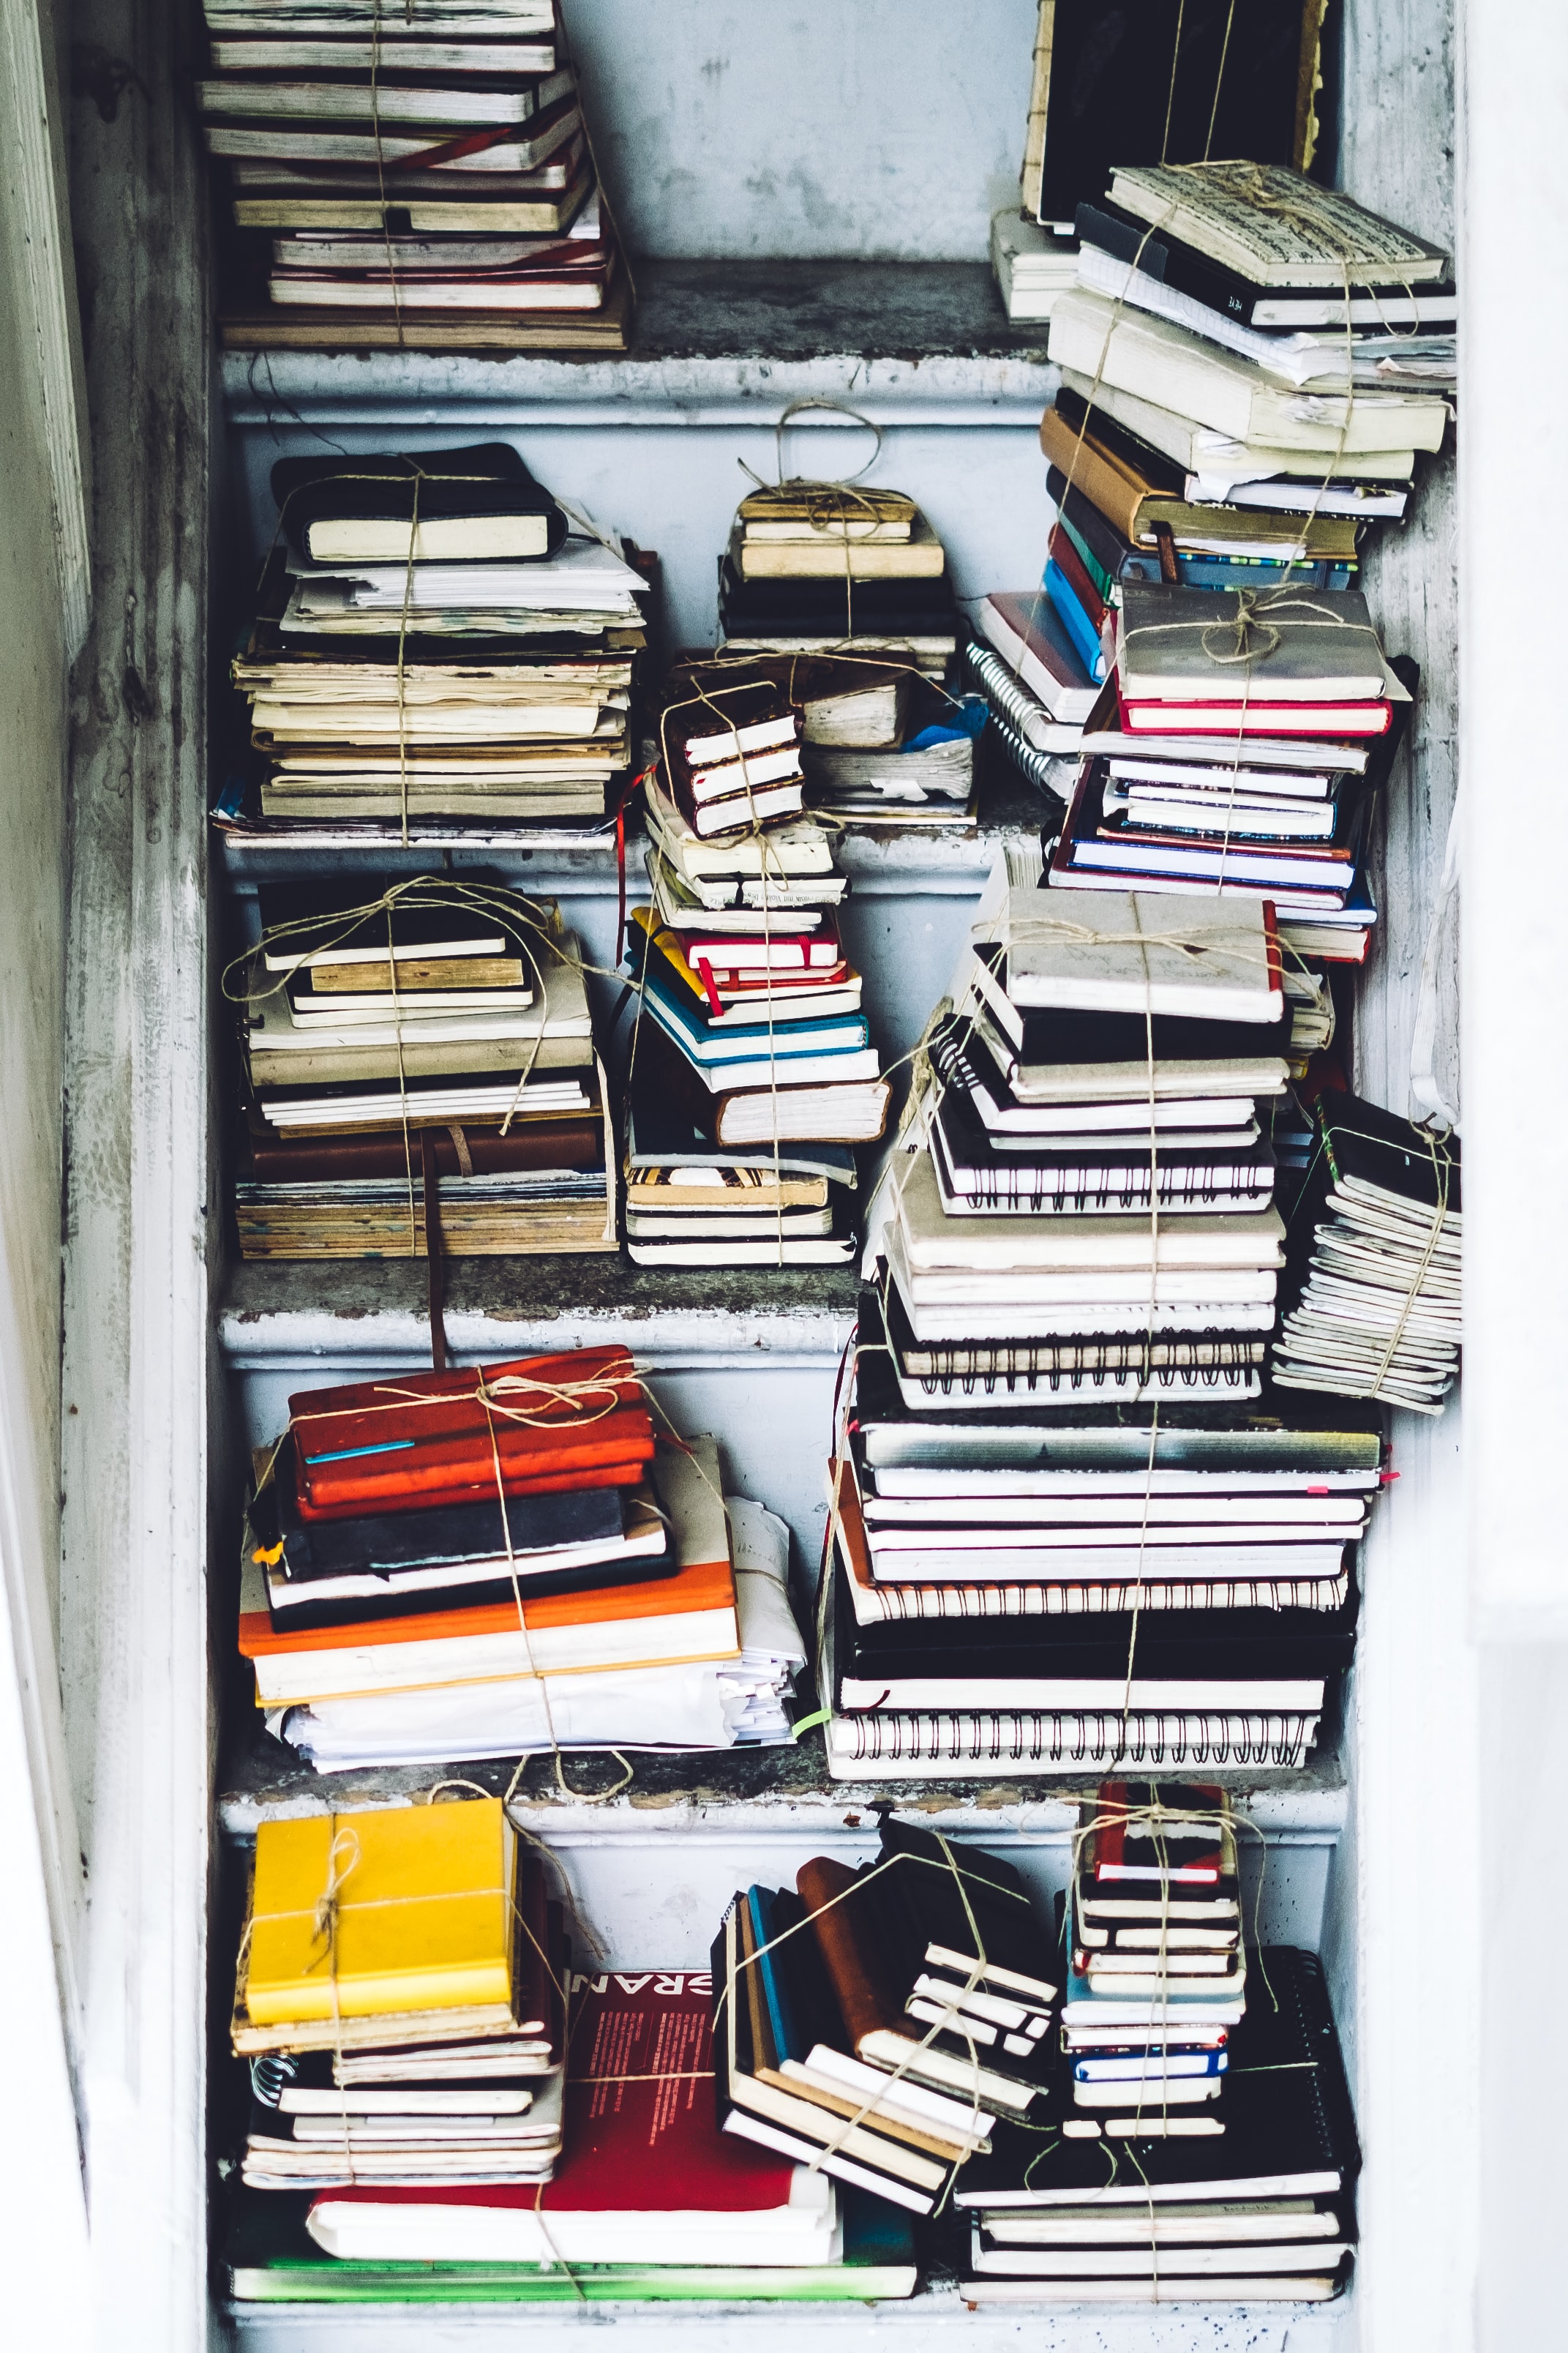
1373, 1308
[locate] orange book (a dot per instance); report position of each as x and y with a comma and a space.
686, 1617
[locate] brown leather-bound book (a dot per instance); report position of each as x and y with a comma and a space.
863, 1995
536, 1143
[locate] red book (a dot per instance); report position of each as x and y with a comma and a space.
645, 2176
1184, 1855
614, 1453
441, 1405
1256, 717
1064, 555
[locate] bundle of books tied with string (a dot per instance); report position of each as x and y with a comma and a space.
752, 1072
441, 655
418, 1077
1252, 366
649, 2201
413, 177
504, 1562
840, 567
1071, 1522
1206, 2150
400, 2002
878, 2022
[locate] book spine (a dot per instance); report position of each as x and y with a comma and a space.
907, 1602
1075, 622
1076, 1740
1090, 1358
1061, 550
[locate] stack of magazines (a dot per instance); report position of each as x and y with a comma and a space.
418, 178
491, 1563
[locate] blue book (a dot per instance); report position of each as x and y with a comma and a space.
775, 1996
1076, 621
844, 1034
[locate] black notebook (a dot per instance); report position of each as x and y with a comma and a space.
932, 1922
479, 502
1276, 1432
1240, 1646
1289, 2128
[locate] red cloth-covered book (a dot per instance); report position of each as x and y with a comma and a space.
647, 2175
550, 1422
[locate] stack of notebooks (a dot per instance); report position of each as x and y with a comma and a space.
418, 178
813, 568
1019, 1591
877, 2022
878, 742
1260, 2212
400, 2002
1237, 756
649, 2201
1032, 266
1203, 437
437, 655
1373, 1290
770, 1047
789, 1062
1157, 1977
1210, 326
1086, 1160
1059, 1408
397, 1610
420, 1078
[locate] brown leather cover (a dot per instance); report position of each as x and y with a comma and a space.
536, 1143
845, 1948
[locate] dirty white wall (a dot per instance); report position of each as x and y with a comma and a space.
890, 129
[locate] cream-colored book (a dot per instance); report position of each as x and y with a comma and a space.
1134, 352
829, 553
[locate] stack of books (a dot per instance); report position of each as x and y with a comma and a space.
1204, 435
877, 2022
1262, 2210
400, 2001
814, 568
1032, 266
1157, 1977
788, 1061
1239, 755
418, 179
649, 2201
420, 1078
769, 1048
397, 1610
437, 654
1060, 1408
1086, 1159
1373, 1290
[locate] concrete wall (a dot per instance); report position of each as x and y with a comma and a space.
889, 129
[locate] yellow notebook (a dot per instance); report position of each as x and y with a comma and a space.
423, 1913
